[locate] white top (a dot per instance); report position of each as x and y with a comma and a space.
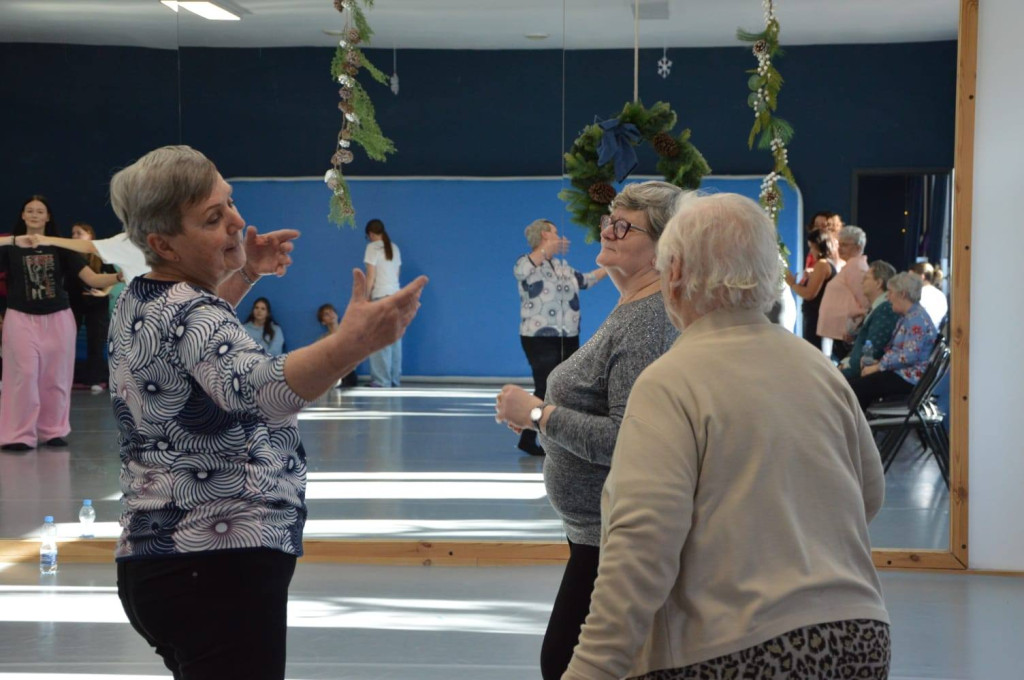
386, 280
122, 253
934, 302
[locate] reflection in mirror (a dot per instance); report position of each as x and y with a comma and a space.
858, 96
83, 94
479, 98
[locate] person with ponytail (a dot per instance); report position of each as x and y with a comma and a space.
383, 262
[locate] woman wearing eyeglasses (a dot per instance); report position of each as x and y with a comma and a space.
578, 420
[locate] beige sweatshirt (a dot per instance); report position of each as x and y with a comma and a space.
737, 505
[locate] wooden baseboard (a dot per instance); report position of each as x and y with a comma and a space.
422, 553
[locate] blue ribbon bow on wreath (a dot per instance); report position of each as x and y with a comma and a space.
617, 145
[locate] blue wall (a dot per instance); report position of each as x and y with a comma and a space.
74, 114
71, 115
464, 234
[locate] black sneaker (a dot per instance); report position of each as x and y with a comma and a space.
16, 446
57, 441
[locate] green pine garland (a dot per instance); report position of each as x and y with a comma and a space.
591, 192
764, 84
359, 122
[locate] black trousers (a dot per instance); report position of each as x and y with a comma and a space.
96, 318
879, 385
572, 604
544, 353
215, 615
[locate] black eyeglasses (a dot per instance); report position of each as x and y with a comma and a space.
620, 227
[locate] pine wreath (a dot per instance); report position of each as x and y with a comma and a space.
612, 141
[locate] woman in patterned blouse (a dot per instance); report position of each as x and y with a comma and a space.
549, 309
213, 475
906, 356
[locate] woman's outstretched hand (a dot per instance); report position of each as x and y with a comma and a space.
374, 325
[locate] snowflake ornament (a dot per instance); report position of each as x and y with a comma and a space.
664, 65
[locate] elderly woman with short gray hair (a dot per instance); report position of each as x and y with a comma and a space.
549, 309
907, 354
734, 537
213, 474
587, 393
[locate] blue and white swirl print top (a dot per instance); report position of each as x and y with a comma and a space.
549, 297
209, 440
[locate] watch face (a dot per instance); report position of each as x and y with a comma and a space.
535, 413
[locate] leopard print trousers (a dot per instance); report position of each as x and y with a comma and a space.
841, 650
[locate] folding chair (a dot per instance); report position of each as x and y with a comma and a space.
893, 421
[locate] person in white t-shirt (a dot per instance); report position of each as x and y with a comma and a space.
383, 262
932, 298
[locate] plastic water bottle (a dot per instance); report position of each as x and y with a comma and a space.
48, 547
867, 355
86, 516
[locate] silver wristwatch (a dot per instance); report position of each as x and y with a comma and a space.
536, 413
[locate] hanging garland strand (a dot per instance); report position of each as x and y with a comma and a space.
358, 122
765, 83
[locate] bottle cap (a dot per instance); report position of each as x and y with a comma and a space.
48, 518
87, 502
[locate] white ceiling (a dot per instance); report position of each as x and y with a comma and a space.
478, 24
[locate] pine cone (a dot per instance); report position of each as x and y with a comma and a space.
352, 57
601, 193
771, 197
346, 134
345, 94
345, 107
665, 145
350, 69
760, 48
339, 5
353, 36
342, 156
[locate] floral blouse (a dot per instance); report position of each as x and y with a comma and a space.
911, 346
208, 436
549, 297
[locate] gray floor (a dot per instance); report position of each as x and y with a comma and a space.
433, 623
419, 462
428, 463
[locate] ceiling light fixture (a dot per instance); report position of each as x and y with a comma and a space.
207, 10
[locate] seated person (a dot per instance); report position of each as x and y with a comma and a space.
906, 357
261, 327
327, 316
880, 322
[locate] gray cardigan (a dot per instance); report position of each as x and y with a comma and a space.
590, 389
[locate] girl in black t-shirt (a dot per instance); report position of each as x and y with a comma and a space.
39, 333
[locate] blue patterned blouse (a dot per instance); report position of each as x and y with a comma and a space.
911, 345
209, 440
549, 297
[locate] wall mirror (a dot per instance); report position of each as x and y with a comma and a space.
483, 95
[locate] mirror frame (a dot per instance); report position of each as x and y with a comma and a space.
954, 558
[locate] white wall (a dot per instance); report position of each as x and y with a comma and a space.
996, 505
